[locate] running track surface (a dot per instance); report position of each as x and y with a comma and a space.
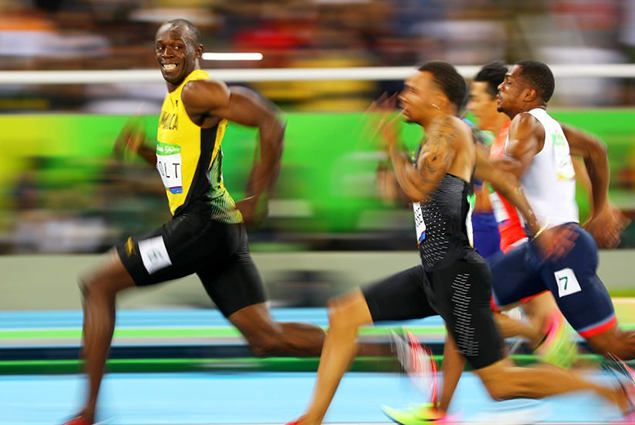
266, 398
139, 327
243, 397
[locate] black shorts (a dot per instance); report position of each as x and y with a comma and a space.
399, 297
191, 243
459, 293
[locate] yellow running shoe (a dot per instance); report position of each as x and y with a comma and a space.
418, 415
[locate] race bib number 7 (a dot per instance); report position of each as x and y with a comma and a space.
169, 166
567, 282
420, 225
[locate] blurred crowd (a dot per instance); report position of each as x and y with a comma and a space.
55, 210
119, 34
53, 202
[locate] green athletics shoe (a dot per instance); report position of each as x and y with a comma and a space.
559, 347
419, 415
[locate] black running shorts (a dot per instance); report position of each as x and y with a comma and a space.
460, 293
192, 243
399, 297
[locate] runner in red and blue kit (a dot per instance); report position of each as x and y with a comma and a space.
485, 238
538, 151
510, 223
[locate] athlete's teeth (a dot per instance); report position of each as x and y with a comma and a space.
169, 66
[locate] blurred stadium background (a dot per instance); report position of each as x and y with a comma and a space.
62, 193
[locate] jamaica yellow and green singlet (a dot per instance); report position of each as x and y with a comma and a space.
189, 160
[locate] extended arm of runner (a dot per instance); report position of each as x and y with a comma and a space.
526, 139
595, 156
606, 222
148, 154
582, 178
435, 158
132, 140
502, 182
245, 107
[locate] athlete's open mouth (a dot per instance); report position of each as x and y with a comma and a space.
169, 66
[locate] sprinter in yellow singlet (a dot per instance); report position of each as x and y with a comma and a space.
206, 235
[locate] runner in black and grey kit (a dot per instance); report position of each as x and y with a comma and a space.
457, 277
453, 279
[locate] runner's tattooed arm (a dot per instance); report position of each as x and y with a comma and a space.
436, 157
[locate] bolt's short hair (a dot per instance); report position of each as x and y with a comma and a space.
194, 31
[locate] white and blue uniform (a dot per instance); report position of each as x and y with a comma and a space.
549, 186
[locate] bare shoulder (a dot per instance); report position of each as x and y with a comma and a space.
208, 84
447, 122
526, 137
440, 147
205, 94
446, 129
524, 123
